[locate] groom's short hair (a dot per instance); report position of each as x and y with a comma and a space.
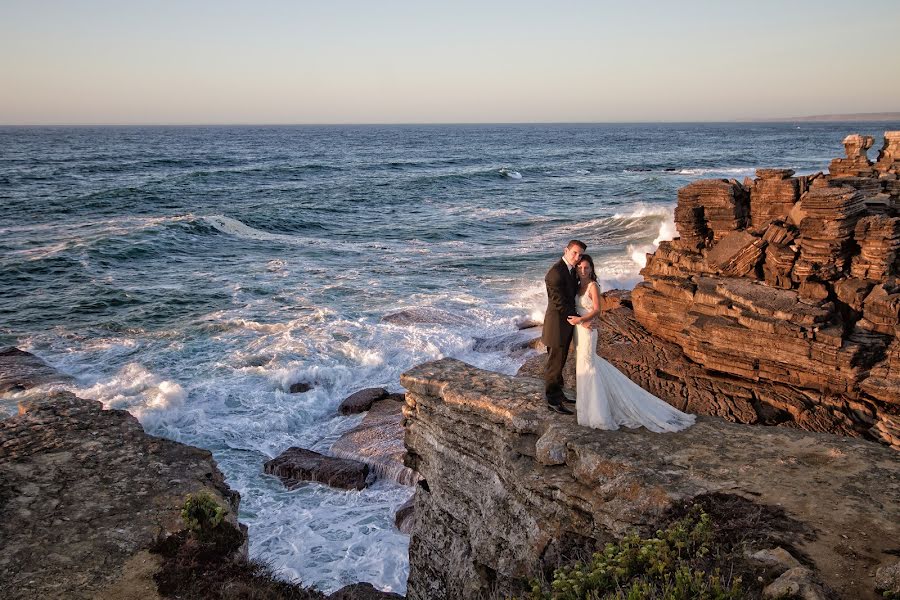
579, 243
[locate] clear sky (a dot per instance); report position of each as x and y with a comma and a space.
385, 61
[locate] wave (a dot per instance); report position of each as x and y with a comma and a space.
732, 171
509, 173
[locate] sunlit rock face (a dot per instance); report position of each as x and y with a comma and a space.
790, 282
509, 488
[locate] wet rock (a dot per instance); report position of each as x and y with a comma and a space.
510, 343
20, 371
300, 387
297, 465
378, 442
361, 401
363, 591
403, 518
425, 315
527, 323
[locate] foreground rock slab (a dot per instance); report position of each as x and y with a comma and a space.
505, 483
84, 492
295, 466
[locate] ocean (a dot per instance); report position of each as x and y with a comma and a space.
190, 274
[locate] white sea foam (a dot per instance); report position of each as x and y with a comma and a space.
726, 171
509, 173
138, 391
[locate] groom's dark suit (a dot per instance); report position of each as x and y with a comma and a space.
561, 289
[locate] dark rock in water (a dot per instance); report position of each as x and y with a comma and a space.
512, 342
361, 401
397, 398
20, 371
84, 492
362, 591
378, 442
296, 465
300, 387
412, 316
403, 518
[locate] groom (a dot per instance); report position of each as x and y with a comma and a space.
561, 289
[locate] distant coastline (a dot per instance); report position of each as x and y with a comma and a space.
880, 116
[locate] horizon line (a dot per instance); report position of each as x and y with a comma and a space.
809, 119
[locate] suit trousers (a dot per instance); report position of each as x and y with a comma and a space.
553, 379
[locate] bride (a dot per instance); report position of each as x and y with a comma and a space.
605, 398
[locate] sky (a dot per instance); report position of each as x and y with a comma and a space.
385, 61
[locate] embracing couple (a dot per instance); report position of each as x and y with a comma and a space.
605, 398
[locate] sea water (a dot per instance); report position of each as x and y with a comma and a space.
190, 275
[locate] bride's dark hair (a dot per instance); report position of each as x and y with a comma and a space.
590, 261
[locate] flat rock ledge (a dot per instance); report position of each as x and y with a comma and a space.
505, 482
84, 492
295, 466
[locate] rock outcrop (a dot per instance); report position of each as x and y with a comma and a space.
295, 466
508, 485
84, 493
361, 401
790, 283
20, 371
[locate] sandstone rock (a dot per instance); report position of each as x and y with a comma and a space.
378, 442
798, 582
297, 465
887, 579
84, 492
404, 516
879, 242
889, 155
710, 208
490, 511
361, 401
856, 163
300, 387
772, 198
20, 370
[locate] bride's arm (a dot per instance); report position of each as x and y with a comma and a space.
594, 292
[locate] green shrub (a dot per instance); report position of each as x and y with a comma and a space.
675, 564
201, 513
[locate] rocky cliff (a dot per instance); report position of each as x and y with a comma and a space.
791, 282
509, 488
778, 303
85, 493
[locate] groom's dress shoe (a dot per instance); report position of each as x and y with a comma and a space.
568, 400
560, 409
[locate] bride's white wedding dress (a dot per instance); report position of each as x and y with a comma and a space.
606, 398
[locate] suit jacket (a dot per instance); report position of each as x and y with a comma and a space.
561, 290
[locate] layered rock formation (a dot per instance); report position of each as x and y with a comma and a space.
790, 282
509, 486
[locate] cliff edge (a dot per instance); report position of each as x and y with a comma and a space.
508, 485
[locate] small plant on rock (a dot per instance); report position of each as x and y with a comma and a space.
202, 514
